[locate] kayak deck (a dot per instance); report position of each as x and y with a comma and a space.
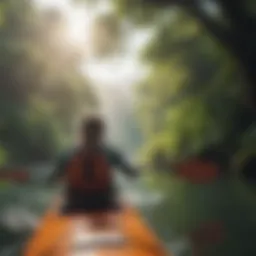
56, 233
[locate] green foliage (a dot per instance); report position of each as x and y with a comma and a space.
3, 156
42, 92
181, 101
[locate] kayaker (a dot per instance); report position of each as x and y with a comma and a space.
88, 171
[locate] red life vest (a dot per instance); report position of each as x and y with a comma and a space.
89, 171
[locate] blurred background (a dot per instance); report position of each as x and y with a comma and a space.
176, 82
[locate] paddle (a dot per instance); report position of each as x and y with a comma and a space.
14, 175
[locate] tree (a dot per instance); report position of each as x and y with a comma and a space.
231, 23
189, 72
181, 101
42, 92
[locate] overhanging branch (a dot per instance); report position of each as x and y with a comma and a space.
235, 11
224, 35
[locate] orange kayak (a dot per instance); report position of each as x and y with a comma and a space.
60, 235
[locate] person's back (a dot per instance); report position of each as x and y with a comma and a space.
88, 171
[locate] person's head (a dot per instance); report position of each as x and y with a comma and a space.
92, 130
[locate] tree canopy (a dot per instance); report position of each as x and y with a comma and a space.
194, 97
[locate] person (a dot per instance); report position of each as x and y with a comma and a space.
88, 171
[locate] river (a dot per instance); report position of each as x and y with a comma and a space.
22, 207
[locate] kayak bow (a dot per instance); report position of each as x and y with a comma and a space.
60, 235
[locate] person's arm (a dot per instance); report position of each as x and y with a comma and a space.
123, 165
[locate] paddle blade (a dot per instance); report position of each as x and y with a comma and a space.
14, 176
198, 171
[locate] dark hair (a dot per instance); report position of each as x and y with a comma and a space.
93, 124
